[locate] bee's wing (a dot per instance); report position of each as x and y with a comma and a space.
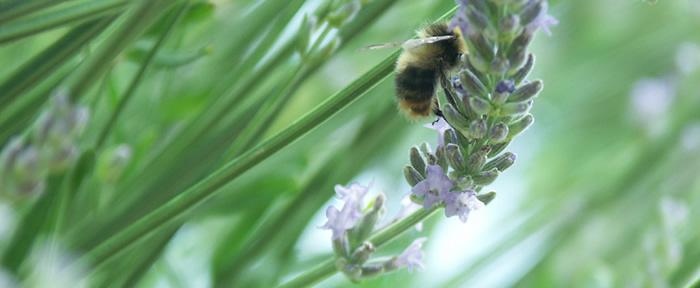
380, 46
410, 44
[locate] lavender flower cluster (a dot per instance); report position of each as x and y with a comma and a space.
50, 148
487, 106
351, 228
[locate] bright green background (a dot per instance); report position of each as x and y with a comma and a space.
581, 208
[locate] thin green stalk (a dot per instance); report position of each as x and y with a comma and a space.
170, 23
95, 66
91, 10
46, 62
206, 188
327, 268
12, 10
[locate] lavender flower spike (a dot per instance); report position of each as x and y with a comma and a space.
436, 187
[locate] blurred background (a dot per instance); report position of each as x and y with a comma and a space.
604, 193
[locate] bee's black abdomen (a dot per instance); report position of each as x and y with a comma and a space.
415, 87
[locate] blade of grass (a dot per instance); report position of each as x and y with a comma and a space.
170, 23
40, 22
48, 61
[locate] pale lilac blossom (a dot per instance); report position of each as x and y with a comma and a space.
341, 220
440, 126
435, 187
412, 256
543, 20
462, 204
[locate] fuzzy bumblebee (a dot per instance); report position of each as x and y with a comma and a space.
422, 64
419, 69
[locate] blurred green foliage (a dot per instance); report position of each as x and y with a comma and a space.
605, 193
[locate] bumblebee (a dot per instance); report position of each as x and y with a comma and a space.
423, 64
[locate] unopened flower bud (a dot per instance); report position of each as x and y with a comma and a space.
499, 65
441, 157
450, 137
486, 177
498, 132
477, 63
502, 91
472, 83
477, 160
369, 221
517, 127
28, 173
456, 119
486, 198
478, 129
432, 159
480, 106
417, 160
518, 46
352, 271
327, 50
526, 91
530, 12
482, 47
502, 162
322, 11
372, 270
412, 176
455, 158
476, 18
362, 253
516, 60
480, 6
515, 108
509, 26
464, 182
525, 70
425, 148
498, 148
344, 14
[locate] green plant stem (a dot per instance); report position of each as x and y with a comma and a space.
138, 20
44, 21
19, 8
46, 62
327, 268
174, 17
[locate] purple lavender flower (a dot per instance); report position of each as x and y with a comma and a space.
341, 220
441, 126
543, 20
412, 256
435, 187
462, 203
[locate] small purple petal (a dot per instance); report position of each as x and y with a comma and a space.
435, 187
340, 221
441, 126
543, 20
464, 202
412, 256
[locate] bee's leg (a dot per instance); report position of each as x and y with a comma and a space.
436, 109
446, 86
